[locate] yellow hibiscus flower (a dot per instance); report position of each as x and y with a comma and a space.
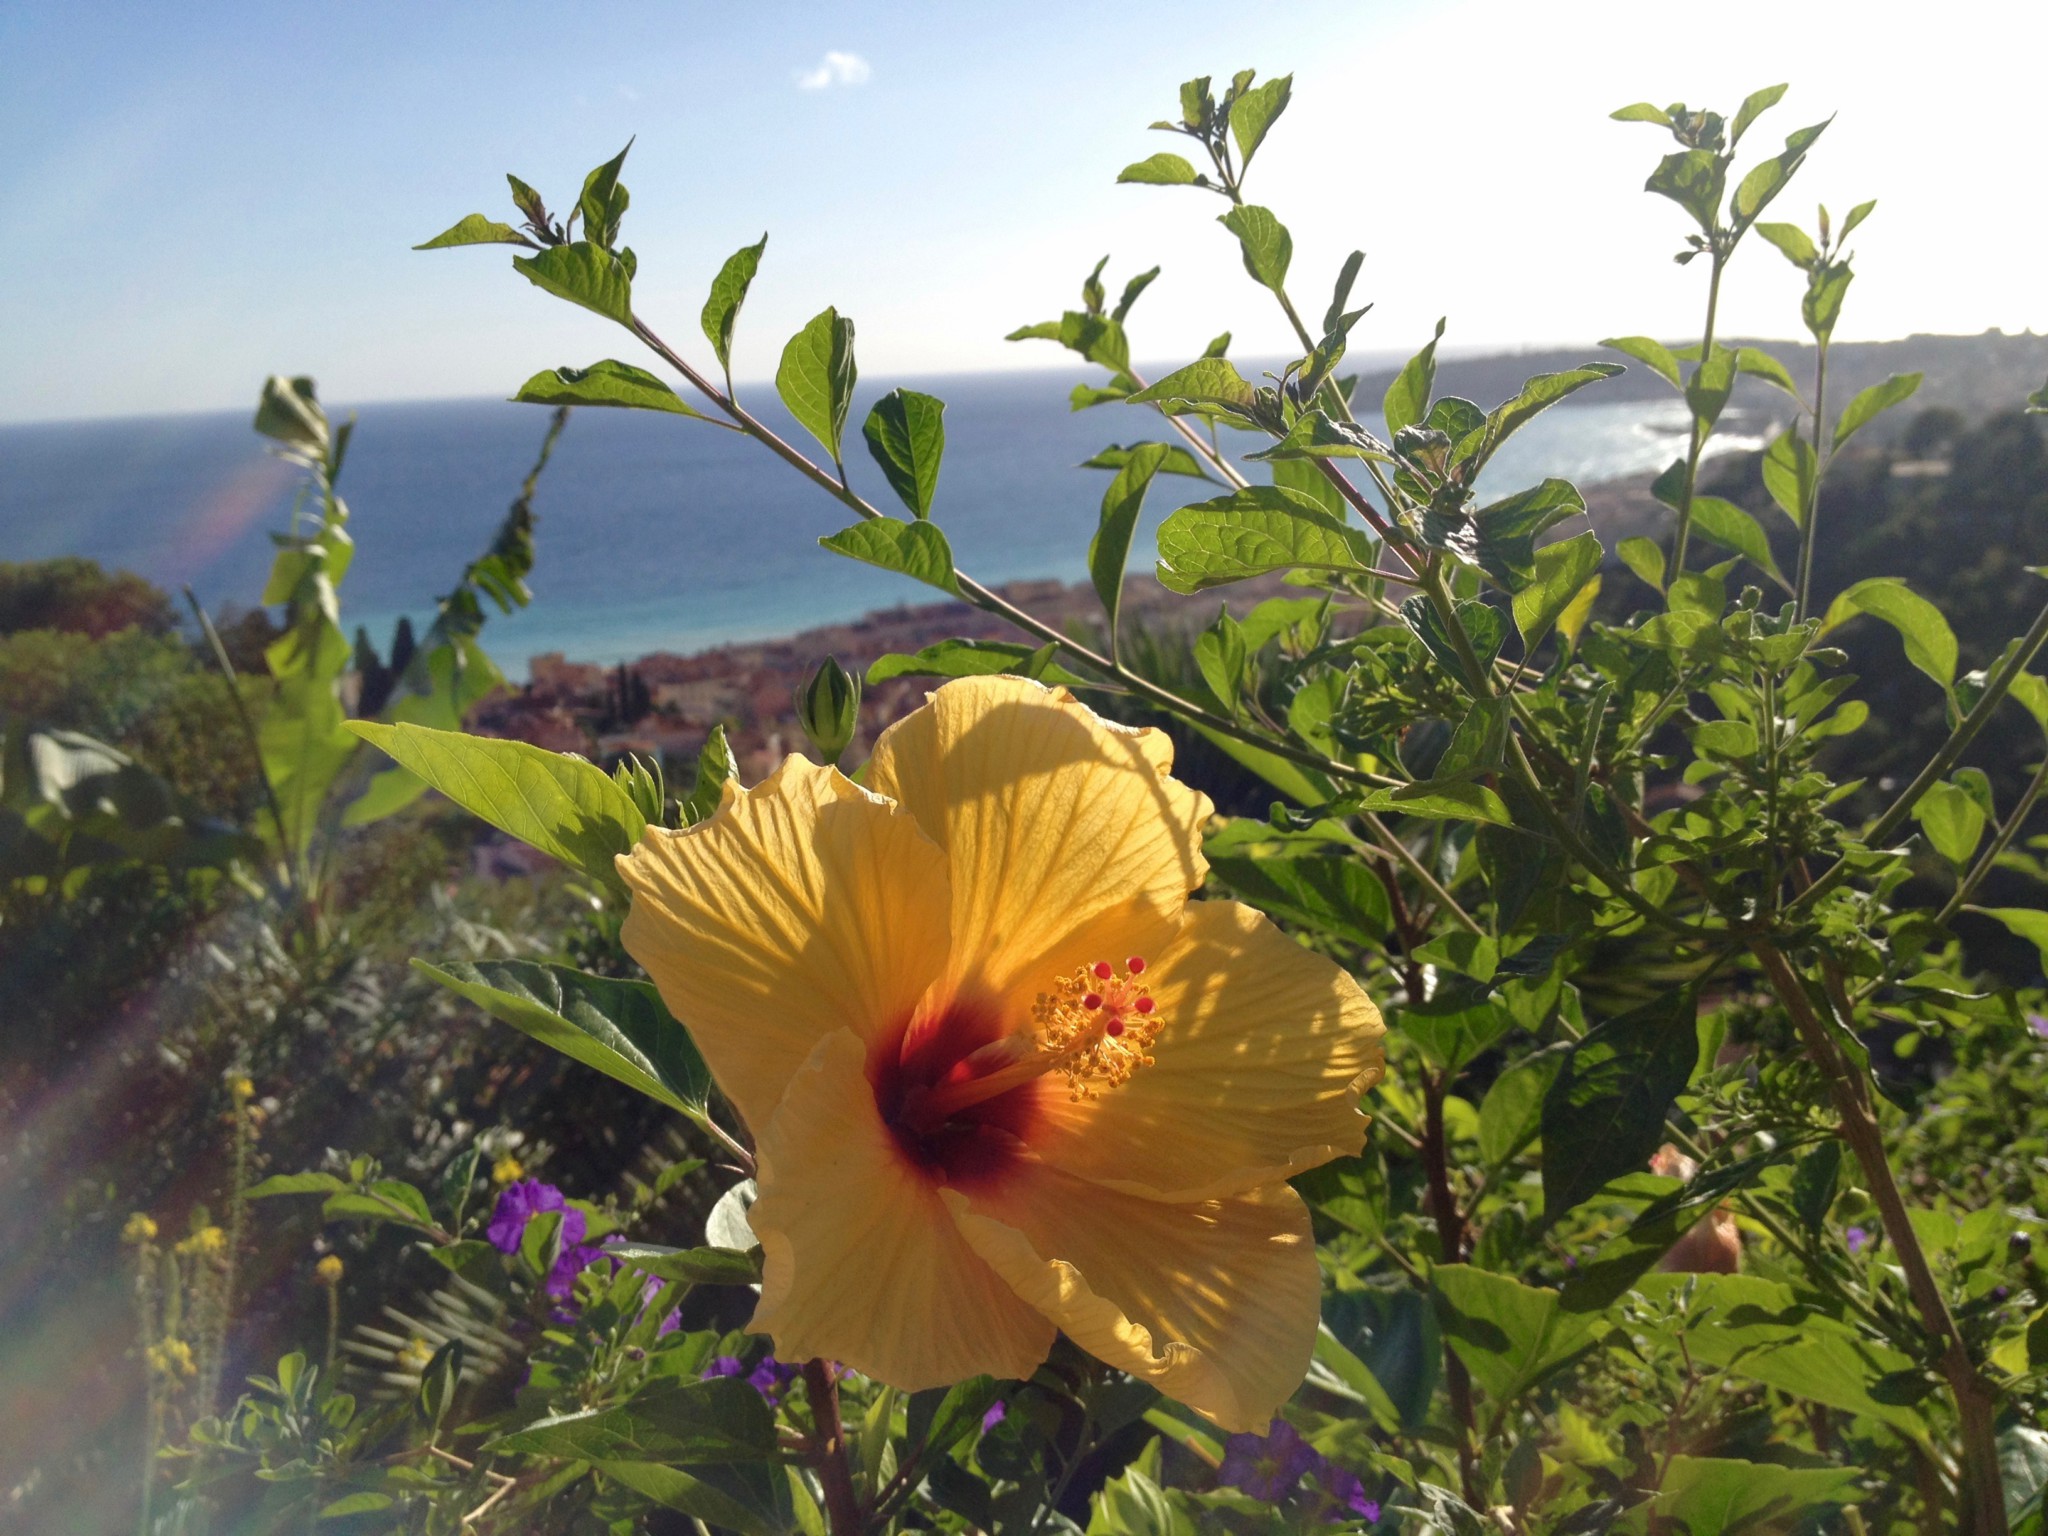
1004, 1078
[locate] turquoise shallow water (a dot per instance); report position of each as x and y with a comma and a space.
655, 532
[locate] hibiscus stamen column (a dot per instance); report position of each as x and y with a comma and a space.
842, 1510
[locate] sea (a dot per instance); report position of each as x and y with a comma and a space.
654, 532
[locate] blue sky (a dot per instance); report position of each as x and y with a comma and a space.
194, 196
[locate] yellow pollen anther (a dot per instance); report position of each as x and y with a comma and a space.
1098, 1024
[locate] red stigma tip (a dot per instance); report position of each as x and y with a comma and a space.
1145, 1005
1113, 1028
1092, 1000
1102, 969
1135, 965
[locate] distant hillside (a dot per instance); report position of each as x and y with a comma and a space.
1976, 375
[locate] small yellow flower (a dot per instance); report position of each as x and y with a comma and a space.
328, 1270
139, 1229
416, 1355
172, 1357
242, 1088
1005, 1078
209, 1241
507, 1169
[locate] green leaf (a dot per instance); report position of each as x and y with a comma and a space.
1160, 170
1760, 364
1264, 241
1825, 290
583, 274
939, 1418
1651, 354
1536, 397
906, 433
1754, 106
1176, 460
721, 1428
1407, 398
605, 383
2037, 402
1953, 820
1768, 178
1562, 571
715, 768
1132, 289
1110, 550
917, 550
1440, 800
1604, 1116
691, 1266
604, 200
1512, 1112
619, 1027
1872, 402
817, 375
1790, 469
1253, 531
1483, 628
1255, 112
564, 806
1795, 244
1814, 1183
1930, 643
1337, 896
1208, 381
298, 1184
1645, 557
1693, 179
728, 293
967, 658
1707, 391
1509, 1335
1732, 739
474, 230
1315, 436
1642, 112
1714, 1497
1732, 528
1501, 538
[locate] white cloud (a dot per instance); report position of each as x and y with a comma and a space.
835, 68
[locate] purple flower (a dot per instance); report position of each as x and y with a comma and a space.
770, 1378
1269, 1466
520, 1202
1344, 1495
1857, 1238
997, 1412
2038, 1022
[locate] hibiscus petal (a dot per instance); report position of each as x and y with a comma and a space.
1214, 1302
804, 905
1255, 1077
1052, 818
862, 1263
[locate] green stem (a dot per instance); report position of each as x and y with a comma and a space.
1995, 689
249, 732
1682, 536
1822, 456
1974, 1398
981, 597
841, 1508
1967, 886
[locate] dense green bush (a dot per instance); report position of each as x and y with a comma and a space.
1702, 1192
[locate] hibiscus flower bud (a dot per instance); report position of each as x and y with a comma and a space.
828, 708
